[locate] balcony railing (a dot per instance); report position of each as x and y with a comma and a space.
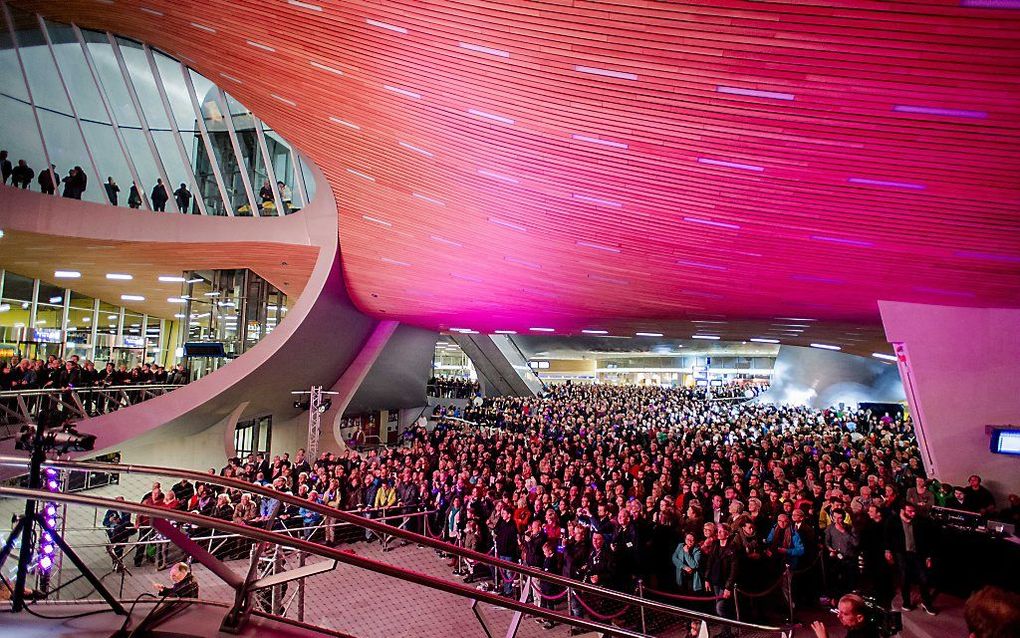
23, 407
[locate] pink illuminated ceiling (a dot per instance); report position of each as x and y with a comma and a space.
636, 165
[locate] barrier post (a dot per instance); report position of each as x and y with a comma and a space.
641, 594
736, 602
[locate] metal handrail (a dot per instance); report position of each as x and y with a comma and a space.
371, 524
342, 556
90, 388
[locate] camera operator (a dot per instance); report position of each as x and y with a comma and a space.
853, 614
118, 529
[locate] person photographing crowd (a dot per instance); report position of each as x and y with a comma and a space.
852, 613
182, 583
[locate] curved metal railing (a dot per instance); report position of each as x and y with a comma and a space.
23, 407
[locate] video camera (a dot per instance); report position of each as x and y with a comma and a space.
55, 436
889, 623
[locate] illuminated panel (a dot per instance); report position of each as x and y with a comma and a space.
638, 165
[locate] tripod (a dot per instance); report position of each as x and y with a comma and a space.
118, 565
24, 528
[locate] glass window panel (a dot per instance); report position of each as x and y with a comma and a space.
102, 140
176, 93
219, 136
306, 173
48, 315
39, 68
108, 316
75, 72
17, 300
67, 149
111, 79
144, 84
138, 148
13, 84
19, 135
177, 172
281, 158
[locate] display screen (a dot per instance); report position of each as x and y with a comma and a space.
1006, 441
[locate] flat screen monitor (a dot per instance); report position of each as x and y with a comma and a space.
204, 349
1006, 441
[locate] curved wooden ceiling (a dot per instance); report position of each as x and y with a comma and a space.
634, 166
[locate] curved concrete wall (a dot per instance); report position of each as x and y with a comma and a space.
320, 336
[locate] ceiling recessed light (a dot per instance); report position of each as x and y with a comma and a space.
825, 346
57, 299
41, 322
542, 329
67, 274
86, 319
172, 279
179, 316
212, 294
132, 298
709, 337
506, 332
763, 340
119, 275
176, 300
648, 334
884, 357
195, 280
595, 332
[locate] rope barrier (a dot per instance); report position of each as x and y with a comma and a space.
597, 615
765, 592
682, 596
535, 588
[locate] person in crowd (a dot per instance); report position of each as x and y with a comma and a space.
118, 530
182, 583
852, 614
921, 496
48, 180
841, 543
183, 198
112, 190
286, 196
910, 543
21, 175
992, 612
266, 192
159, 196
978, 498
5, 166
134, 197
687, 561
75, 183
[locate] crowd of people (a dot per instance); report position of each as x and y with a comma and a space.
19, 373
703, 499
75, 183
453, 387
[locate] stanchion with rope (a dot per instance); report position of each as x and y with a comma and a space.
783, 581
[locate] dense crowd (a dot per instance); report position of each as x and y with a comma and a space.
453, 387
55, 373
614, 485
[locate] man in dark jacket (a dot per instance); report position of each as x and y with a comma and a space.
504, 534
721, 572
910, 545
183, 198
159, 196
5, 166
21, 175
48, 180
